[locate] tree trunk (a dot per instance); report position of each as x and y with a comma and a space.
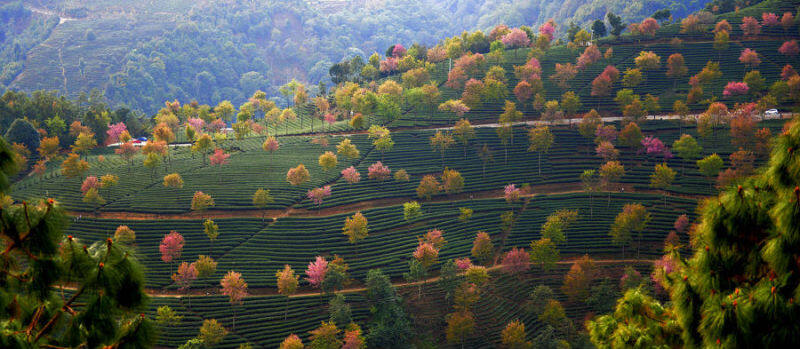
286, 308
540, 164
638, 245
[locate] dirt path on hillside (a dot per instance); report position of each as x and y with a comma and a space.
545, 189
487, 124
308, 292
46, 12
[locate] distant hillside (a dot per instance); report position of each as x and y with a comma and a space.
484, 14
141, 53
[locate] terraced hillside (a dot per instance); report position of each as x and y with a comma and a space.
250, 168
258, 250
502, 220
263, 326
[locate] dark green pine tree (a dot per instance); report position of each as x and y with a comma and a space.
389, 326
103, 309
741, 287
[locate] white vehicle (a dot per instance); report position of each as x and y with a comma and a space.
772, 114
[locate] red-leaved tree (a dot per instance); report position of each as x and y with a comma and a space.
787, 20
271, 145
750, 26
749, 58
788, 72
389, 65
601, 85
605, 133
563, 74
769, 19
681, 223
171, 246
649, 27
127, 151
185, 275
789, 48
219, 157
590, 55
523, 91
734, 88
234, 286
456, 78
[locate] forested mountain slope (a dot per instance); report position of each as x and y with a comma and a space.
143, 52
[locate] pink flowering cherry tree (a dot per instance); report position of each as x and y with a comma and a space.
351, 175
378, 171
548, 30
734, 88
653, 146
516, 38
90, 182
511, 193
516, 261
316, 271
317, 195
113, 132
196, 123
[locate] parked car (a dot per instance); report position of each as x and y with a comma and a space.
772, 114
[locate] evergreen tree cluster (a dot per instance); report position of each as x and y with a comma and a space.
740, 286
104, 301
